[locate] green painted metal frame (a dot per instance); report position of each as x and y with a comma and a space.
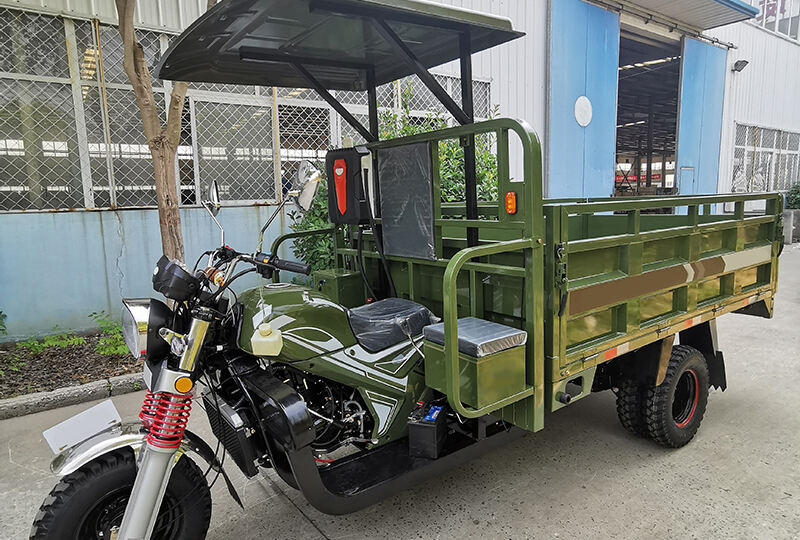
527, 229
535, 246
452, 366
528, 222
688, 232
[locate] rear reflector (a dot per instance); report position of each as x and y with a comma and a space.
340, 181
511, 203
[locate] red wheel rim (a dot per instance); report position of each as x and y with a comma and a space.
684, 401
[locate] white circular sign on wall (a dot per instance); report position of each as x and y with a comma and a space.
583, 111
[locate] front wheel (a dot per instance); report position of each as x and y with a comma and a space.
674, 410
88, 503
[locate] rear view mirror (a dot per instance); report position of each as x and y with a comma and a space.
212, 202
308, 179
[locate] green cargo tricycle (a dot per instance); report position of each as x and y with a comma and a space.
443, 330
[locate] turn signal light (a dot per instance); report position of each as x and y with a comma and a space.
511, 203
184, 385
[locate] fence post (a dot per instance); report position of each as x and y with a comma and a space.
80, 118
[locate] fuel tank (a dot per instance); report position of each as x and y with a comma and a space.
310, 322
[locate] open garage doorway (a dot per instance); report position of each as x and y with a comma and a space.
647, 115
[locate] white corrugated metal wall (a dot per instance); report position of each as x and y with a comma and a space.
765, 94
161, 15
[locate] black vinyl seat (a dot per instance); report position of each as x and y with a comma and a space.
387, 322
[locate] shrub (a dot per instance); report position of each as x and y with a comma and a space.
793, 197
59, 341
111, 341
2, 323
314, 250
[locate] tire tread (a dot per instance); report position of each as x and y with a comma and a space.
658, 400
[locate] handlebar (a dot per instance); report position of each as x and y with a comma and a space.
291, 266
262, 260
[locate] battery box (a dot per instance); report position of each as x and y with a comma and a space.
427, 430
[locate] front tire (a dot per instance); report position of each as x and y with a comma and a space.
86, 504
674, 410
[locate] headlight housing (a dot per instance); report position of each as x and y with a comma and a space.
141, 320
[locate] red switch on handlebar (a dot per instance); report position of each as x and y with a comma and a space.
340, 181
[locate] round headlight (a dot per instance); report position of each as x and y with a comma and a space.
141, 320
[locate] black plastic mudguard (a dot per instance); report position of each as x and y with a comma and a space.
283, 412
357, 481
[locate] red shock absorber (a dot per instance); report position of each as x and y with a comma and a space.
165, 416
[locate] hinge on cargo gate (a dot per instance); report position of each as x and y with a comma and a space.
560, 267
561, 278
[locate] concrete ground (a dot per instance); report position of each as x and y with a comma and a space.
582, 476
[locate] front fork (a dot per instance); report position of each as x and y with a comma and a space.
165, 413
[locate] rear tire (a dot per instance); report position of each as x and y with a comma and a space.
674, 410
86, 504
631, 398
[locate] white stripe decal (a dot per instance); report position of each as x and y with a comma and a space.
689, 272
748, 257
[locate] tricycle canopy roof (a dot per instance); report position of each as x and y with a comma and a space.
339, 43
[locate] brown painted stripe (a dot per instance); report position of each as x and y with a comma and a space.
620, 290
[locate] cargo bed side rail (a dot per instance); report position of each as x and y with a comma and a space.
620, 275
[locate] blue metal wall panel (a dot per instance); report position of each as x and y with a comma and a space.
66, 265
584, 57
700, 116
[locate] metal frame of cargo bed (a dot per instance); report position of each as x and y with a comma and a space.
569, 259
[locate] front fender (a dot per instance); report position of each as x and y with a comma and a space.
132, 435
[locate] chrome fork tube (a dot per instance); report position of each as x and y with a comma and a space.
156, 458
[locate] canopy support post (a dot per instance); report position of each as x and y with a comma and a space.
421, 71
467, 104
333, 102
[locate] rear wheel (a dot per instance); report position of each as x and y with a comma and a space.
674, 409
631, 397
88, 503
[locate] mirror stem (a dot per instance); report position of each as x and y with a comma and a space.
221, 234
269, 221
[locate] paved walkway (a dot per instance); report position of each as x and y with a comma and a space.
583, 476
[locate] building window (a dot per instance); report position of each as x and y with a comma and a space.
781, 16
765, 160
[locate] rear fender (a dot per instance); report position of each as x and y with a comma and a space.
132, 435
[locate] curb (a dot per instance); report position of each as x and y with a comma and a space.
70, 395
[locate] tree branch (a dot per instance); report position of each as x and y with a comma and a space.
136, 69
175, 112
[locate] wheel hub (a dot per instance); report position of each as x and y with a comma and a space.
684, 402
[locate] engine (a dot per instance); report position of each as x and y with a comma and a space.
340, 416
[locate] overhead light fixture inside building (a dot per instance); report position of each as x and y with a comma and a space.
739, 65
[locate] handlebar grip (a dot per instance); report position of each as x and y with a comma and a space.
292, 266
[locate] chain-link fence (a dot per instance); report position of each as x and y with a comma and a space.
765, 159
71, 134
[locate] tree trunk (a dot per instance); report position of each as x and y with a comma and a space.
169, 217
162, 141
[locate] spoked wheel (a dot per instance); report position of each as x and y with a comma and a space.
674, 410
90, 502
